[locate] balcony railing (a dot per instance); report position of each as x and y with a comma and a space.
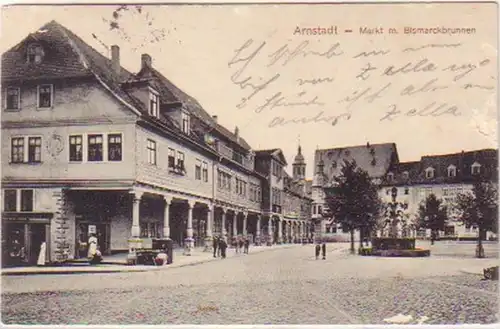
230, 154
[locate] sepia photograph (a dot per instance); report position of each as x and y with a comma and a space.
249, 164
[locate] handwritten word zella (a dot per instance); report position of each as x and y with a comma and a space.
373, 85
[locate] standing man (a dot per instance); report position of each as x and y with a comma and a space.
247, 244
215, 245
318, 250
323, 250
222, 247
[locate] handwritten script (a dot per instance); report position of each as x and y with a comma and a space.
326, 82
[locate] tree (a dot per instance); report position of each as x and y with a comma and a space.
479, 209
433, 215
355, 203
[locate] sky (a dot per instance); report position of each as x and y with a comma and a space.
262, 68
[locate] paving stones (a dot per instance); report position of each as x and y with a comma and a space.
277, 287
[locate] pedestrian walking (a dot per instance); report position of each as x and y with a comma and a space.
318, 250
323, 250
247, 245
219, 241
215, 245
222, 247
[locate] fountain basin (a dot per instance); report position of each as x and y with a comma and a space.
394, 247
417, 252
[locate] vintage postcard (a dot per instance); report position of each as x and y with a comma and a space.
256, 164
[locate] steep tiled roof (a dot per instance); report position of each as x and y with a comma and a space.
272, 152
375, 159
462, 161
170, 93
66, 56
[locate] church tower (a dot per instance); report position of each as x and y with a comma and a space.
299, 166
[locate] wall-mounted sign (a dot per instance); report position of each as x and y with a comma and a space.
92, 229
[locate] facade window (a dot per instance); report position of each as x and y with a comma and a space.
429, 173
26, 200
45, 93
452, 171
12, 98
171, 158
151, 149
276, 169
95, 148
407, 191
476, 169
186, 125
197, 170
75, 148
204, 171
35, 54
259, 195
219, 179
114, 147
10, 200
180, 160
17, 150
154, 101
34, 149
320, 211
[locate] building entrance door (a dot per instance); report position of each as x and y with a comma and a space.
84, 231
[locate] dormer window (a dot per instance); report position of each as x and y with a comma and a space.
390, 177
476, 168
35, 54
429, 173
154, 102
334, 164
406, 175
186, 124
452, 171
374, 162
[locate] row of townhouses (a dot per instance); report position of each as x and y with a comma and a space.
90, 148
445, 176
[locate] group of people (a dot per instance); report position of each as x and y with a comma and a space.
220, 245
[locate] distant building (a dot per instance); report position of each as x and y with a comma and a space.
445, 176
377, 160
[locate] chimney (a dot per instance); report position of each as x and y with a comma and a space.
146, 61
215, 118
236, 132
368, 144
115, 58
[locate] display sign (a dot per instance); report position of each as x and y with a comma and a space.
92, 229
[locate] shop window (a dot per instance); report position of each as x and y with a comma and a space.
26, 200
150, 230
95, 148
114, 147
10, 200
75, 148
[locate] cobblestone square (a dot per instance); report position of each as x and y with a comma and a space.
279, 286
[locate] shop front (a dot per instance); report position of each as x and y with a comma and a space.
25, 238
